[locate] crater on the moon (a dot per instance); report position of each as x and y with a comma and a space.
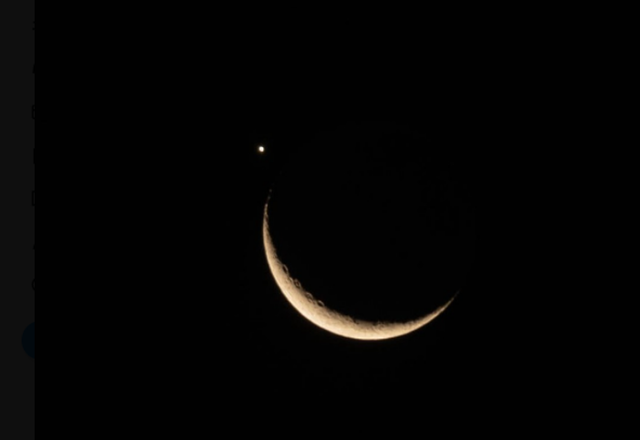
371, 221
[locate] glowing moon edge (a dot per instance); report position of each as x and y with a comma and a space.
324, 317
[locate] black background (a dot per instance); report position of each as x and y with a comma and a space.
224, 320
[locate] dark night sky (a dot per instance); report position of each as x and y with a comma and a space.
272, 347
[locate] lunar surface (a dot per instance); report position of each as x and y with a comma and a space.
366, 231
322, 316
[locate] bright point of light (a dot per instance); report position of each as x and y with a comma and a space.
261, 149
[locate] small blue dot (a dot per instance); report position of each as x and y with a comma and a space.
29, 340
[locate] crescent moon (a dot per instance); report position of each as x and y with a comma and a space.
331, 320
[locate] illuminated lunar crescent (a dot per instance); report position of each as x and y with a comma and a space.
326, 318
